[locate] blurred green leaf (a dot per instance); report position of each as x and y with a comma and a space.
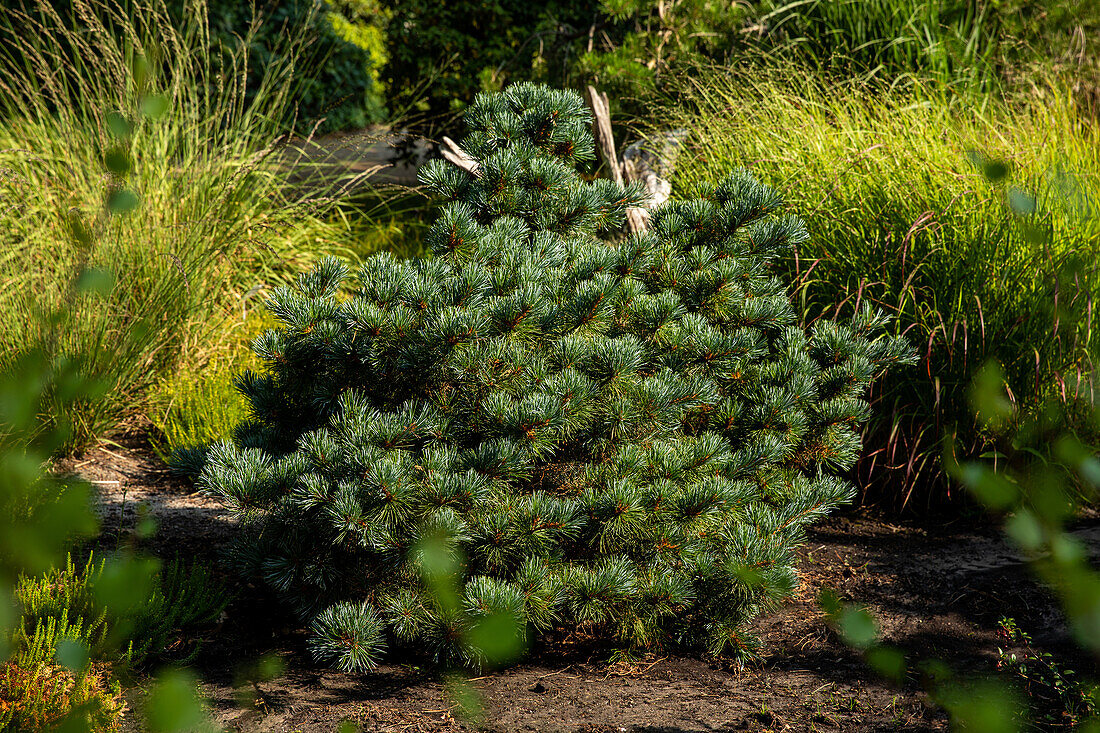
829, 602
119, 126
857, 627
173, 704
988, 707
1066, 548
1021, 203
268, 667
888, 662
1024, 529
72, 654
140, 69
146, 528
440, 565
993, 490
95, 280
750, 576
36, 540
1073, 452
122, 201
1047, 496
79, 230
117, 161
7, 617
995, 171
988, 396
464, 697
126, 582
154, 106
1034, 233
1081, 596
499, 638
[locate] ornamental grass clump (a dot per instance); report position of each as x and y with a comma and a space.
624, 435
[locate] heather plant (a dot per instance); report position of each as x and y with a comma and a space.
626, 435
69, 603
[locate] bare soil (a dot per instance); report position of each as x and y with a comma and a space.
937, 588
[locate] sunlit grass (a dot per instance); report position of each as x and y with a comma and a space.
125, 101
894, 191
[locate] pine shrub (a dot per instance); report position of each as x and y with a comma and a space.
624, 435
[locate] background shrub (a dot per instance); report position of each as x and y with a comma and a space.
442, 54
334, 58
68, 603
627, 436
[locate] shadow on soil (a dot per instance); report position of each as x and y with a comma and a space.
937, 592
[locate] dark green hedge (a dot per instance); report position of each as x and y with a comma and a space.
341, 49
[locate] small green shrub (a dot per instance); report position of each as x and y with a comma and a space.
902, 216
625, 436
1053, 691
66, 604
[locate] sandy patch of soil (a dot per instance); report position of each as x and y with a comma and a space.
937, 590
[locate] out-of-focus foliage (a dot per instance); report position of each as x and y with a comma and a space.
336, 75
57, 623
442, 53
40, 515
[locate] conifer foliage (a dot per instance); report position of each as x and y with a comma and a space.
625, 435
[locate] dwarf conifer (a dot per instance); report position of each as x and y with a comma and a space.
623, 435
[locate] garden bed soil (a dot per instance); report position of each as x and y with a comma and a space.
937, 588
